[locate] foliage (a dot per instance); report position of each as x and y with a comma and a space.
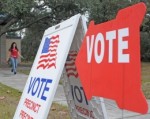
30, 43
145, 47
23, 13
18, 12
104, 10
145, 37
33, 35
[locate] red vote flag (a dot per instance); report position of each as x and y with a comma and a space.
108, 62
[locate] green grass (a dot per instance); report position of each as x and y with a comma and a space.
146, 79
10, 101
59, 112
24, 71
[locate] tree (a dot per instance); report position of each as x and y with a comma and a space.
16, 13
32, 39
104, 10
34, 32
145, 35
21, 14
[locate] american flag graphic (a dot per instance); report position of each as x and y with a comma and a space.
70, 65
49, 53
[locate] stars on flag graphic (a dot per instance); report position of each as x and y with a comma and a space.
49, 53
70, 65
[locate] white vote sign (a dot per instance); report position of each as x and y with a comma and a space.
47, 68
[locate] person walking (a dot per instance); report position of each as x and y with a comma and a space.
13, 55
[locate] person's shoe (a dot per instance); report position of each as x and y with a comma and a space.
12, 70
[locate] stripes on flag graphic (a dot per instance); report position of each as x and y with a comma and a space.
70, 65
49, 53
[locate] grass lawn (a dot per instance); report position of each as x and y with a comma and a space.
146, 79
10, 97
8, 101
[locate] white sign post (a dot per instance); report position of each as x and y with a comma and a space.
47, 68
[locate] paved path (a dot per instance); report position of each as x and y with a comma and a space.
18, 81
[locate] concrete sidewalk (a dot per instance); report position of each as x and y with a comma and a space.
18, 81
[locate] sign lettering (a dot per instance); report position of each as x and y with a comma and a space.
78, 94
110, 37
38, 87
